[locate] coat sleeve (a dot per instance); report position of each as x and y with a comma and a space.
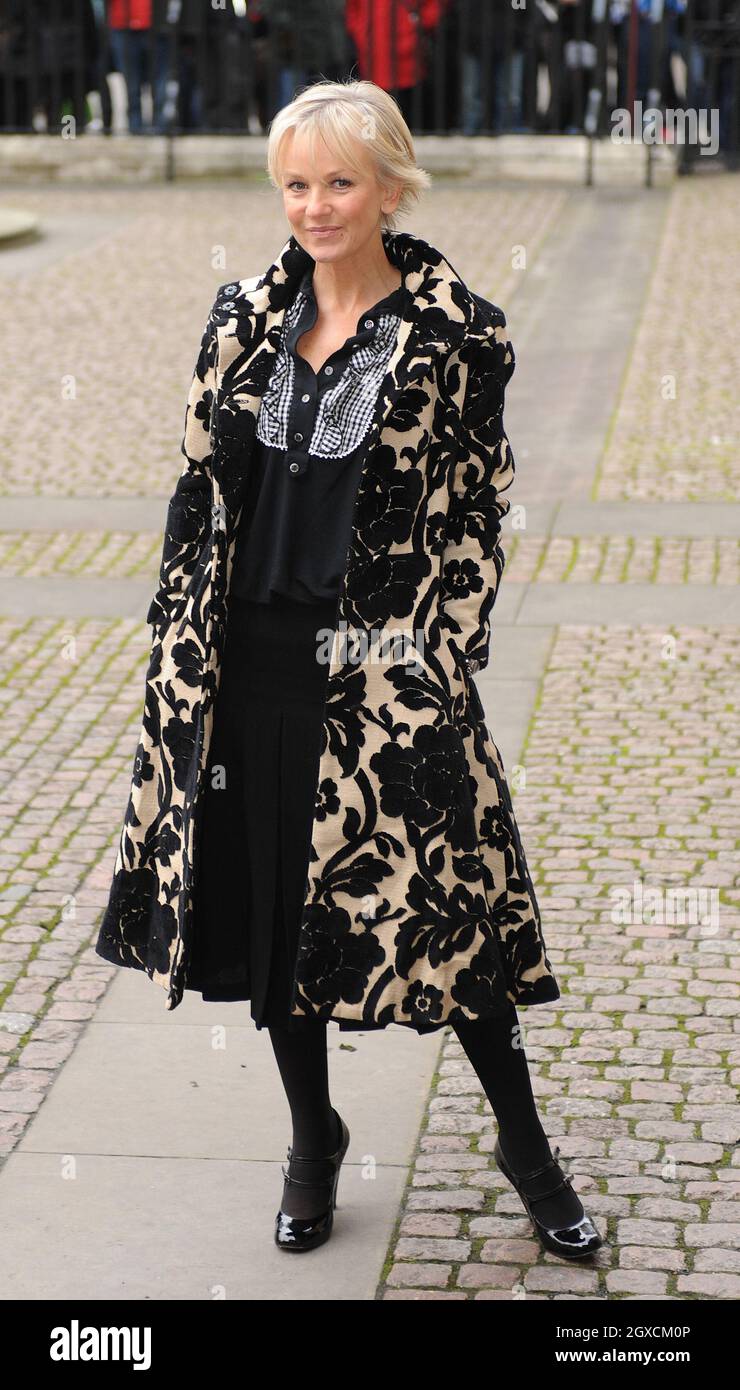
189, 512
473, 560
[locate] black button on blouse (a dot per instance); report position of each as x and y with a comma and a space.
308, 454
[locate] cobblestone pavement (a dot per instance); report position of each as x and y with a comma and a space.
676, 434
73, 694
626, 780
622, 560
117, 554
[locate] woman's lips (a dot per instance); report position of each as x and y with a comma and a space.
323, 231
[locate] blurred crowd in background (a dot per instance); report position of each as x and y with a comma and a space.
463, 66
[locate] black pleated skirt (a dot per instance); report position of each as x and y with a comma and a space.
258, 803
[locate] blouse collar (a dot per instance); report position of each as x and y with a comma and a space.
392, 303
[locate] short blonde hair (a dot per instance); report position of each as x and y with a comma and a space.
348, 114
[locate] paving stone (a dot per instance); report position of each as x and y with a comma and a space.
474, 1276
419, 1274
651, 1257
710, 1285
429, 1248
642, 1281
562, 1277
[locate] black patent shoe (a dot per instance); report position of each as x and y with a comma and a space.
305, 1233
572, 1242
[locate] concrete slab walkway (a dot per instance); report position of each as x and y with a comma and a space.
155, 1161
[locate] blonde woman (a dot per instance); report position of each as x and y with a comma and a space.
319, 820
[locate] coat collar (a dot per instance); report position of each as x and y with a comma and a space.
440, 308
440, 315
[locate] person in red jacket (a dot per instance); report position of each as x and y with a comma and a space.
392, 38
139, 54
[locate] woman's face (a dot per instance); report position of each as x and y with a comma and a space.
322, 193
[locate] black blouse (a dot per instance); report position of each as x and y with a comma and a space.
308, 454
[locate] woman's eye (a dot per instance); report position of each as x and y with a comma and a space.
296, 183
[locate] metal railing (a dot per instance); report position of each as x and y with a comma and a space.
455, 66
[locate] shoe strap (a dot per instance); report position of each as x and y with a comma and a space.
301, 1182
537, 1172
321, 1158
540, 1196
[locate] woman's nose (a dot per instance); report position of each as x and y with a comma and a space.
318, 203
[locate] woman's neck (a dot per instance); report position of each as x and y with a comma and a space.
347, 294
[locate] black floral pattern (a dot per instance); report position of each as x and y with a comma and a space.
419, 907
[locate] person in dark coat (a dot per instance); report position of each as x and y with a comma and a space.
306, 40
47, 58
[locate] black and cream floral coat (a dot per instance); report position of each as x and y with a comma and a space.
419, 908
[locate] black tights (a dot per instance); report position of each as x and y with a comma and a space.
492, 1045
303, 1064
304, 1069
